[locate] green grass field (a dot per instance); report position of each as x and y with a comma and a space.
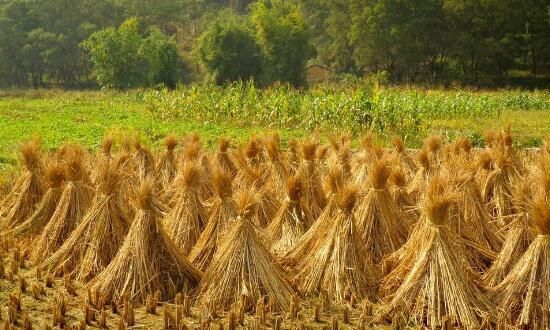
239, 111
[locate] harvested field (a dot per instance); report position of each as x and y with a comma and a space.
261, 236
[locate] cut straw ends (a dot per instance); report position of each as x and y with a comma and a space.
294, 187
541, 216
223, 144
347, 198
398, 144
171, 142
144, 196
222, 181
54, 174
379, 174
30, 153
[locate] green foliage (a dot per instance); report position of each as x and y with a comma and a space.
433, 42
114, 53
164, 65
283, 37
406, 112
229, 52
122, 58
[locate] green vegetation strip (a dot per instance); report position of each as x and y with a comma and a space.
240, 110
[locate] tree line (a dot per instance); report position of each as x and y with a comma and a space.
133, 43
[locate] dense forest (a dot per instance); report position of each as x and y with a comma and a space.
130, 43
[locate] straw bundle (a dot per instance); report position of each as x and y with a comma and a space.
148, 261
497, 188
107, 146
144, 161
475, 223
167, 165
340, 153
336, 262
222, 157
519, 235
434, 148
244, 267
185, 222
259, 181
96, 240
293, 155
308, 170
278, 169
483, 165
402, 156
422, 175
54, 174
401, 196
27, 191
523, 295
380, 222
71, 208
292, 220
434, 282
362, 160
222, 210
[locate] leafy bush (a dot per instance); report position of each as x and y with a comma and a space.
123, 58
229, 51
285, 41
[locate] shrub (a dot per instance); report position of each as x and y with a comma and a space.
229, 52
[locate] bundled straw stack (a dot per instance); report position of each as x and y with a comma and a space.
187, 219
71, 208
167, 166
519, 235
380, 221
222, 210
243, 268
434, 282
148, 260
336, 261
54, 177
27, 190
523, 294
96, 240
292, 221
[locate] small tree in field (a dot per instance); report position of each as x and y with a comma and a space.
164, 65
114, 53
283, 36
229, 52
123, 58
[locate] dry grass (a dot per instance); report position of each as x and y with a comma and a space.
243, 267
523, 294
71, 207
97, 238
54, 179
27, 190
148, 260
435, 282
185, 222
222, 210
336, 260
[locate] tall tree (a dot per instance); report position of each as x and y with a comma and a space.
284, 38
